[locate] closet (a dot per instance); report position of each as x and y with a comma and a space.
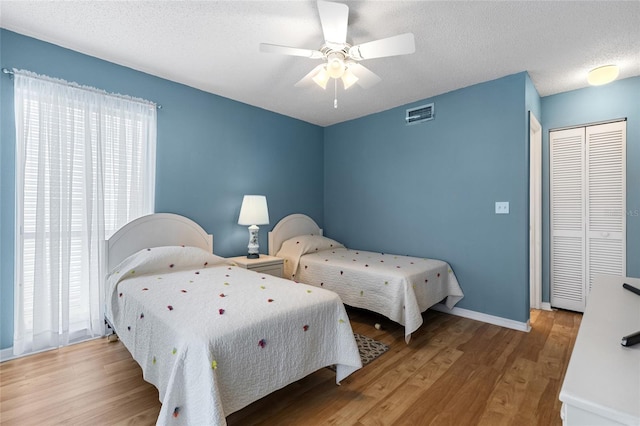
587, 177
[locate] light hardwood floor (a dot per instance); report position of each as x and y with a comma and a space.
455, 371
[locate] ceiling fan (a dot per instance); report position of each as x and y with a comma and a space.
342, 60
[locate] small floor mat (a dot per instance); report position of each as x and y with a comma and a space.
369, 349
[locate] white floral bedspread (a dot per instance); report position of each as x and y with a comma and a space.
214, 337
398, 287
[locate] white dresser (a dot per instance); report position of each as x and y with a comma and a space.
602, 384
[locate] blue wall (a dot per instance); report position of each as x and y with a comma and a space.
533, 102
373, 183
619, 99
429, 189
210, 152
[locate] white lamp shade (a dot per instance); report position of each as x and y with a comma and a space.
322, 77
335, 67
254, 210
348, 79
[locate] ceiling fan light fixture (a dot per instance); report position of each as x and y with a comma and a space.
335, 67
322, 78
603, 75
348, 78
341, 58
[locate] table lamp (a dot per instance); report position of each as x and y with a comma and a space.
253, 212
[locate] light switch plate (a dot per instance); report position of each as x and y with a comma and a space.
502, 207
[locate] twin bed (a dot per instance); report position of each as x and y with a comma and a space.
213, 337
398, 287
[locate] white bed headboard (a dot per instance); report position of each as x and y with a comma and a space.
154, 230
289, 227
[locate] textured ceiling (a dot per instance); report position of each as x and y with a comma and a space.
213, 45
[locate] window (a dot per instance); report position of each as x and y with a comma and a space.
85, 166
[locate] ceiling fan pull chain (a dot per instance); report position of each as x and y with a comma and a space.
335, 94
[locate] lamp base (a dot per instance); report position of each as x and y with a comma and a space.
254, 248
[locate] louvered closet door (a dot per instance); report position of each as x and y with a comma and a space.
588, 209
567, 243
606, 200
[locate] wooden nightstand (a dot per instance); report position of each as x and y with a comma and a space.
265, 264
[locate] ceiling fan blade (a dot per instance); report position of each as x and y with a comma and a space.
366, 77
291, 51
307, 79
402, 44
334, 18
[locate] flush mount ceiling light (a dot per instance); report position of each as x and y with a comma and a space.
603, 75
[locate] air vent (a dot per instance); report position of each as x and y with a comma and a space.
420, 114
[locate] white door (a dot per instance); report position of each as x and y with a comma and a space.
567, 245
606, 200
587, 207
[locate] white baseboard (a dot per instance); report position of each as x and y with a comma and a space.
6, 354
546, 306
479, 316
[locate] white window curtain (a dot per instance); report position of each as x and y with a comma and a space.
85, 166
